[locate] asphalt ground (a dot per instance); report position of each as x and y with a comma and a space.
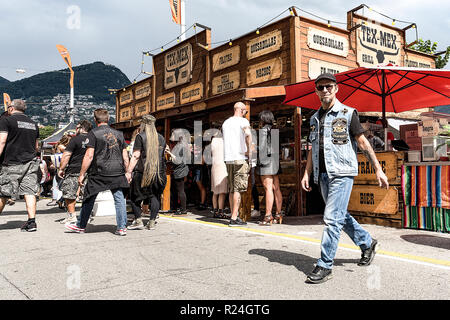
198, 258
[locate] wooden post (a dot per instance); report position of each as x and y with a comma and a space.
246, 197
166, 194
298, 161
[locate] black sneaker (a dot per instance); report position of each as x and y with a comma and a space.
29, 226
368, 254
319, 275
237, 223
202, 207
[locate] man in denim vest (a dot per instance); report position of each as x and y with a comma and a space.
335, 132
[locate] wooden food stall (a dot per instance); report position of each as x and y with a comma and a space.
193, 82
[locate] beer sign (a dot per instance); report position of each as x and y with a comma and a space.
178, 66
125, 114
377, 45
327, 42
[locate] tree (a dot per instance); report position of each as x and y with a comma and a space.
430, 48
45, 132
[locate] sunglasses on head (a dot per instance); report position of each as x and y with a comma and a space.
328, 86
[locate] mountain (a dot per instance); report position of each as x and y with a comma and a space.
48, 94
90, 79
3, 82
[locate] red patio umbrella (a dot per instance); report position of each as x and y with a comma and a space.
381, 89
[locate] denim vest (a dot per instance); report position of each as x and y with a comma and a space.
339, 145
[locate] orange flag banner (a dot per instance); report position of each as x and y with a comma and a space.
66, 57
6, 100
175, 7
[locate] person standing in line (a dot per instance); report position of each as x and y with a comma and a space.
219, 184
268, 168
19, 173
237, 140
70, 167
106, 158
146, 172
335, 132
179, 156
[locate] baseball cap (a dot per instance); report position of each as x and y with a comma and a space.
325, 76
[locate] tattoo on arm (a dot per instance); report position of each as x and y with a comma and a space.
370, 155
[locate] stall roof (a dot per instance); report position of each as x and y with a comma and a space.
54, 138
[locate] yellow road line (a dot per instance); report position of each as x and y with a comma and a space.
342, 245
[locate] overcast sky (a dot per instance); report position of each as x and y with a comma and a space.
116, 32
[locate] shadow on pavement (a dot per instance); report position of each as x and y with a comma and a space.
302, 262
12, 225
428, 240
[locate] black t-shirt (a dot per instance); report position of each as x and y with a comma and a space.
76, 146
20, 145
355, 130
139, 145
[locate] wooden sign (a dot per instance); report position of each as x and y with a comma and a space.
178, 66
224, 83
373, 199
142, 108
428, 128
166, 101
226, 58
199, 106
327, 42
191, 93
125, 114
142, 91
125, 97
317, 67
264, 71
414, 61
390, 163
377, 45
264, 44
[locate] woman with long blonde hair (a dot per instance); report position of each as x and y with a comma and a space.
146, 172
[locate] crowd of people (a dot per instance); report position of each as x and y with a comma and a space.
96, 159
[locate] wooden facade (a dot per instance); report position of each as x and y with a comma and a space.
192, 81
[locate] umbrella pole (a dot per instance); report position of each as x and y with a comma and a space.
383, 109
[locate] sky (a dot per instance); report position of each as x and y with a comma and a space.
116, 32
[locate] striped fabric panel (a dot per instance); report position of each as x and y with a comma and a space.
427, 218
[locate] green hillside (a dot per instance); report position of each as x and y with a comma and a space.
90, 79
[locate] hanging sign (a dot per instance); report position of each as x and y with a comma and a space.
142, 108
142, 91
191, 93
227, 82
327, 42
377, 45
264, 44
317, 67
264, 71
178, 66
226, 58
125, 97
125, 114
166, 101
414, 61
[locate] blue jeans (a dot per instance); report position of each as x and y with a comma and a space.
336, 194
119, 203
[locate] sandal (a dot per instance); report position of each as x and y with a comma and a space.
266, 221
278, 218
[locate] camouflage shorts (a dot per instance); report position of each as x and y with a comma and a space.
19, 180
238, 176
69, 186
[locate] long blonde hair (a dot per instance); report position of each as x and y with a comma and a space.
151, 165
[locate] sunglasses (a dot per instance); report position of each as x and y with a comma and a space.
328, 86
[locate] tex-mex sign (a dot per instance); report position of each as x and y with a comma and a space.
377, 45
178, 66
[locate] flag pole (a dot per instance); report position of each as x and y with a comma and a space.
183, 21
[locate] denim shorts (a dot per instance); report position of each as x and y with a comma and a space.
19, 180
197, 174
